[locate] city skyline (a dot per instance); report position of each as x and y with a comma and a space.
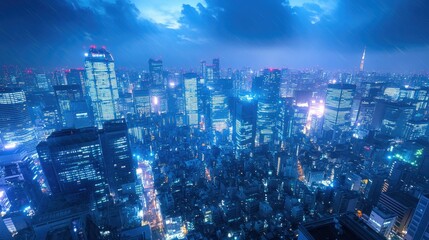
258, 34
214, 119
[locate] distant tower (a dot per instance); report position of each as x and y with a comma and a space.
155, 70
362, 61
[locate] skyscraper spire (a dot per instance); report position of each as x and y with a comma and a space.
362, 61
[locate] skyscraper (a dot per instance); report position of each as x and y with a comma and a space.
266, 87
142, 104
15, 123
219, 110
419, 225
338, 106
120, 171
191, 98
244, 126
75, 76
216, 69
100, 85
74, 110
156, 72
72, 161
403, 205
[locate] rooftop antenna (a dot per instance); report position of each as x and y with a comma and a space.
362, 61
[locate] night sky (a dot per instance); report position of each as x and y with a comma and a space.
330, 34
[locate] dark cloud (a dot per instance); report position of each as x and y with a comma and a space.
257, 21
352, 24
377, 24
57, 32
37, 32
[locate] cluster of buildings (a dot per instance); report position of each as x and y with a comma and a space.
109, 153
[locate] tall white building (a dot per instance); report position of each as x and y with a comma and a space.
101, 85
191, 98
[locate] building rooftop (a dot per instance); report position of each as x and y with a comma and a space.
383, 212
345, 227
403, 198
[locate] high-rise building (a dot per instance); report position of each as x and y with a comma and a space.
244, 126
159, 100
338, 106
266, 87
72, 161
120, 170
42, 82
365, 112
142, 104
101, 85
285, 120
394, 118
402, 205
345, 201
75, 76
203, 69
216, 69
219, 111
156, 71
191, 98
419, 225
415, 129
15, 122
381, 220
74, 109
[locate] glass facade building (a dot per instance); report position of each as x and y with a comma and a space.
100, 85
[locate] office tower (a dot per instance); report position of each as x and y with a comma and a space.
365, 113
15, 123
216, 69
381, 220
285, 121
209, 76
419, 225
51, 118
345, 201
75, 77
142, 104
219, 110
100, 85
175, 98
244, 125
338, 107
415, 129
74, 109
42, 82
156, 71
159, 101
402, 205
4, 231
72, 161
266, 88
203, 69
191, 98
120, 170
394, 118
